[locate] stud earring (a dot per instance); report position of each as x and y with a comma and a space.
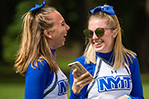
113, 36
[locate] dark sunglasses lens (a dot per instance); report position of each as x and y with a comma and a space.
88, 33
99, 32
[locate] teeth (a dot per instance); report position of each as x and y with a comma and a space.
98, 43
65, 35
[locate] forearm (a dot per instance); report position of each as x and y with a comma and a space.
75, 96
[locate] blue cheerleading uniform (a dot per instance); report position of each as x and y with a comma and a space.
109, 83
43, 83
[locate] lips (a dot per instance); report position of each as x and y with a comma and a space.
98, 43
65, 36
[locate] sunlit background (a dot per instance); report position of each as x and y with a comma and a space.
133, 16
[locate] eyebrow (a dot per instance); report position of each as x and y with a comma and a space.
63, 21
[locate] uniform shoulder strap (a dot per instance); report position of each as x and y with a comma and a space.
96, 74
53, 87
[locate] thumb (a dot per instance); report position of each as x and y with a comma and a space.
74, 73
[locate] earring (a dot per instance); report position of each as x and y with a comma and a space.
113, 36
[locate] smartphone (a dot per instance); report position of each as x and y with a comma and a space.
80, 69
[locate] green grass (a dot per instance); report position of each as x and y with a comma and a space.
16, 91
145, 80
11, 91
146, 90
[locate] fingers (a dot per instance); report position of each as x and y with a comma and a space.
80, 81
84, 82
84, 79
83, 76
74, 73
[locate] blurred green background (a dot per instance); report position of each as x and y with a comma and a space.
134, 20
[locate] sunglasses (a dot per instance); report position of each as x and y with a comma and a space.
99, 32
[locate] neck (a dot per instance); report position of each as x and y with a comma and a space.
107, 56
53, 51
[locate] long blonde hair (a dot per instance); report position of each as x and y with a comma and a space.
34, 43
120, 53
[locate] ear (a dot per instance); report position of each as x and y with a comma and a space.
115, 32
47, 34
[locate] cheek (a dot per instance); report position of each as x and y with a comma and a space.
108, 36
109, 42
108, 33
108, 39
90, 40
58, 34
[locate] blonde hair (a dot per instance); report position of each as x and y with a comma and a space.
120, 53
34, 43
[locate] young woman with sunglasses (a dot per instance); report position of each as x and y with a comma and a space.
44, 31
115, 69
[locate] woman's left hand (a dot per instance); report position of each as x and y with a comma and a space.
80, 82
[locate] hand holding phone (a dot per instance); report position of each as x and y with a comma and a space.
80, 69
79, 83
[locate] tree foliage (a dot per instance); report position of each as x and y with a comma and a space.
11, 39
133, 16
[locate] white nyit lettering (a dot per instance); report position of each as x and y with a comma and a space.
110, 83
62, 87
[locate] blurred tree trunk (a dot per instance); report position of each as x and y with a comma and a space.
7, 11
2, 24
142, 35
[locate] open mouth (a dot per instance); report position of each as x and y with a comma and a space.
98, 43
65, 36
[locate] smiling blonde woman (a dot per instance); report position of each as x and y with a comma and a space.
114, 68
44, 31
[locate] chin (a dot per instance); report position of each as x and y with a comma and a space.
99, 49
102, 51
62, 44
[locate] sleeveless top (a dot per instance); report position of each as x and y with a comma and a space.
109, 83
58, 88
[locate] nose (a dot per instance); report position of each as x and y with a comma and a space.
67, 27
94, 36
